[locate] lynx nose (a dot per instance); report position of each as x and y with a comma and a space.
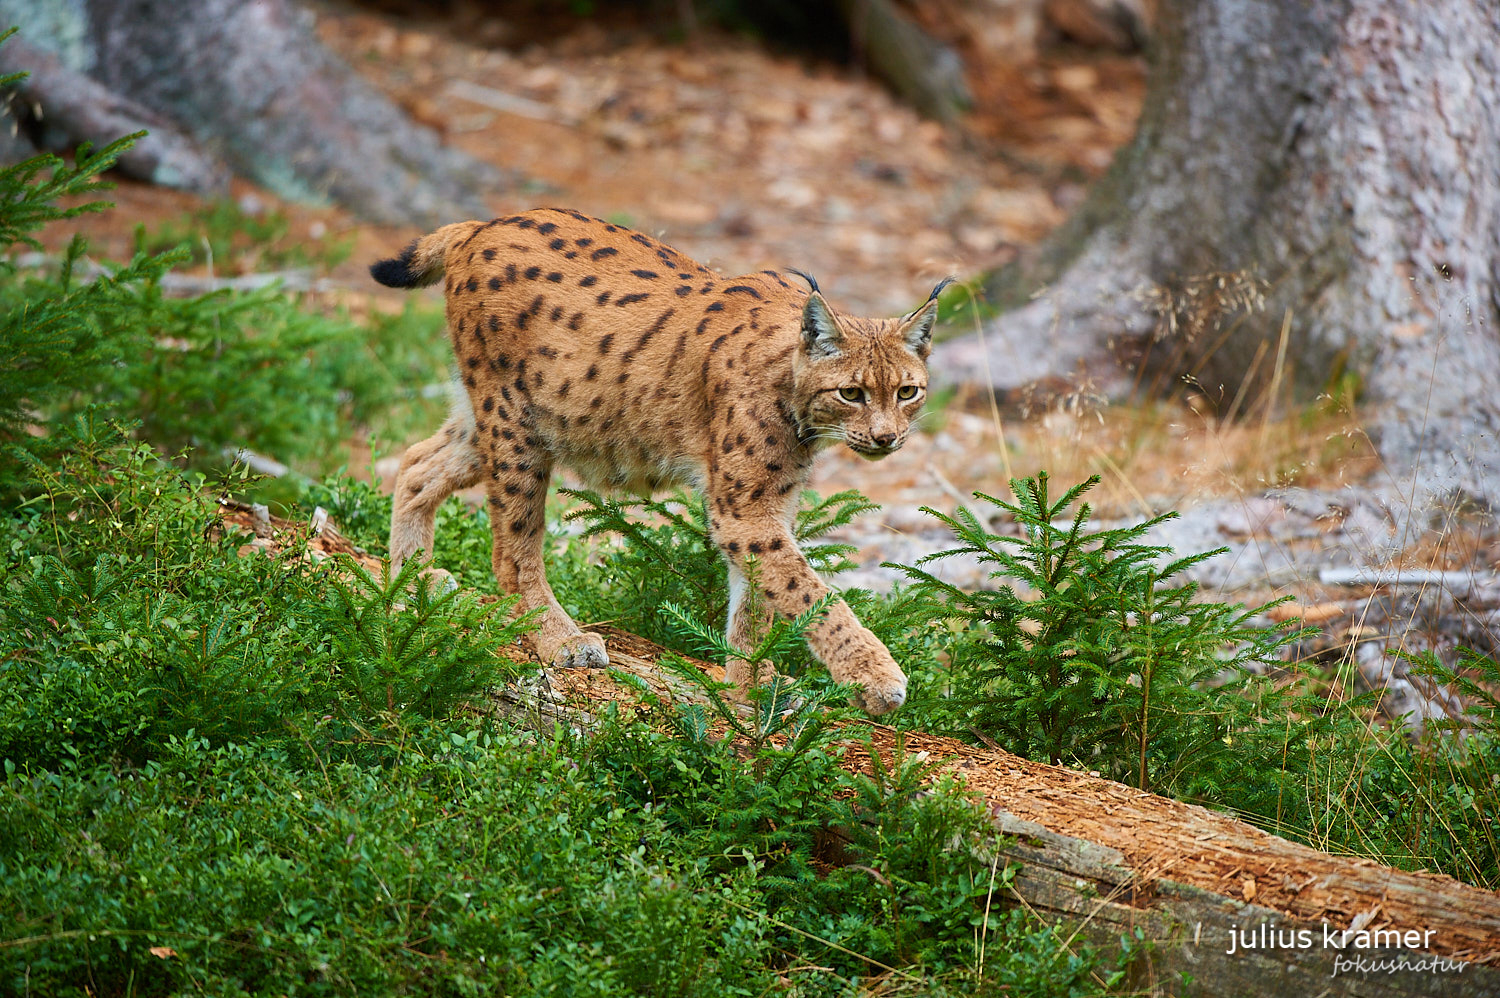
883, 439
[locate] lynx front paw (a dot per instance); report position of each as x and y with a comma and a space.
582, 651
883, 684
881, 700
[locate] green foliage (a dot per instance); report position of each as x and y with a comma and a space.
215, 372
1475, 678
861, 874
476, 864
664, 547
1424, 802
361, 510
248, 764
229, 239
127, 618
1109, 664
412, 646
1088, 654
50, 346
785, 717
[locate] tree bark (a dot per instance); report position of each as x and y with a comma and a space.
921, 70
61, 108
1344, 152
249, 81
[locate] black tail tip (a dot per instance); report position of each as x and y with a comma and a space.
396, 272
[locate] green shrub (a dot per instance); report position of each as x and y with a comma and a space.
1110, 664
1429, 801
861, 874
215, 372
51, 348
1104, 662
640, 858
664, 547
476, 864
229, 239
127, 618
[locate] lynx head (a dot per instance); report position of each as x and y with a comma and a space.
862, 381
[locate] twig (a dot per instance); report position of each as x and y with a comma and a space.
499, 100
1458, 582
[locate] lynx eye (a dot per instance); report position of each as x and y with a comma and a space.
906, 393
852, 394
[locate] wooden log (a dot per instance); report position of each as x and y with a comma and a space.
1109, 859
1221, 907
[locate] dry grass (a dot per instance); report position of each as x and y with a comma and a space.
1162, 455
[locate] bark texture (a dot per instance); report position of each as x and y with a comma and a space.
1345, 152
921, 70
60, 108
248, 80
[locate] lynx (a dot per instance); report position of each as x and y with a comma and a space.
584, 344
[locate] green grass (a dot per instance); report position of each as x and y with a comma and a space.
225, 237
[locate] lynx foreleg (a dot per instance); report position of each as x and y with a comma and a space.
786, 584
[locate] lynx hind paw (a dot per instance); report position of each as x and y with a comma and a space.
583, 651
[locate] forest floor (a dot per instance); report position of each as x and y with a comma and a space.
744, 158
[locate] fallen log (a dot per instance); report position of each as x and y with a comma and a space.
1217, 906
1227, 906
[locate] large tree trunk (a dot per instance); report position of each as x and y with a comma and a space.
1346, 152
249, 81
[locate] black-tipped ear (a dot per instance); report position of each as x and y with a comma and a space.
918, 332
939, 289
820, 334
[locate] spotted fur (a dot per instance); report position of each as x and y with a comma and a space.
584, 344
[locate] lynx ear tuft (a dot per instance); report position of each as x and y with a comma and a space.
812, 282
918, 332
919, 326
821, 336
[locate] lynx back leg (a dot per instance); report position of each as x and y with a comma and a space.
518, 473
430, 472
